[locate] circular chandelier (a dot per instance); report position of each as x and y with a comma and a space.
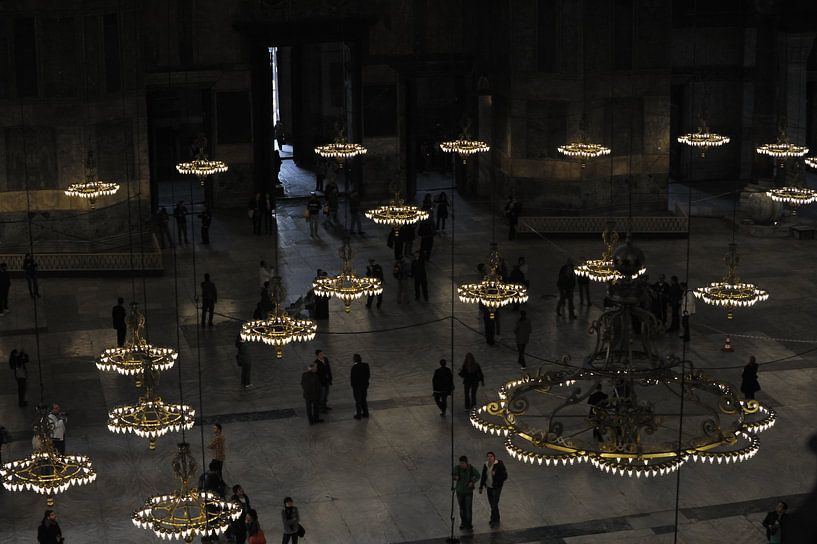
731, 293
279, 329
583, 151
92, 188
492, 291
782, 149
46, 471
811, 161
703, 139
464, 147
793, 196
151, 417
130, 359
620, 411
397, 213
201, 166
604, 269
340, 149
188, 512
347, 286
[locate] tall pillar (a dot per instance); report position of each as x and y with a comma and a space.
798, 48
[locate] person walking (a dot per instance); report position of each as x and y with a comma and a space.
359, 378
238, 528
244, 361
395, 241
401, 274
443, 386
217, 449
749, 384
426, 233
512, 210
442, 210
494, 475
180, 214
163, 219
566, 283
118, 315
374, 270
311, 386
206, 219
332, 195
49, 531
489, 323
255, 535
325, 375
209, 297
313, 210
689, 310
661, 299
521, 332
418, 272
268, 205
30, 269
18, 361
471, 374
5, 286
408, 234
465, 478
775, 524
291, 521
320, 174
57, 419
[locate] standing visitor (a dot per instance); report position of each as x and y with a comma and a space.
118, 315
325, 375
291, 521
401, 274
408, 234
268, 206
512, 209
661, 298
5, 286
49, 530
442, 210
749, 385
313, 213
521, 332
465, 478
359, 379
254, 533
209, 296
238, 528
418, 271
320, 174
689, 310
471, 375
374, 270
494, 475
354, 213
58, 420
775, 524
30, 270
311, 386
180, 214
244, 361
426, 233
18, 362
566, 283
206, 219
164, 227
442, 386
217, 451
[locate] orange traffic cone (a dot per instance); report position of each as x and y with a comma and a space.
727, 345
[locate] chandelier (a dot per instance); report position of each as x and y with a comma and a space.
782, 149
46, 471
92, 188
621, 411
340, 149
464, 147
201, 166
731, 293
397, 213
604, 269
581, 148
811, 161
492, 291
703, 139
347, 286
130, 360
279, 328
187, 512
151, 417
793, 196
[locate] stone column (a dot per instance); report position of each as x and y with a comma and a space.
798, 47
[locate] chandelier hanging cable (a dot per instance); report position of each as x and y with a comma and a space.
618, 412
201, 166
187, 512
340, 150
731, 292
347, 286
464, 146
92, 188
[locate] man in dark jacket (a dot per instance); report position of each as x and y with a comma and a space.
418, 271
775, 523
209, 296
325, 375
443, 385
360, 385
311, 385
5, 285
374, 270
180, 214
426, 233
521, 334
49, 530
313, 208
494, 475
118, 316
566, 284
206, 219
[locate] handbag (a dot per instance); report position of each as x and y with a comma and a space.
306, 213
301, 531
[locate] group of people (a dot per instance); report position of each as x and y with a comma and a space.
317, 380
160, 221
465, 478
442, 383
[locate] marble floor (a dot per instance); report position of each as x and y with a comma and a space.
386, 479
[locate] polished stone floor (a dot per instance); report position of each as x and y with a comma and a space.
386, 479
